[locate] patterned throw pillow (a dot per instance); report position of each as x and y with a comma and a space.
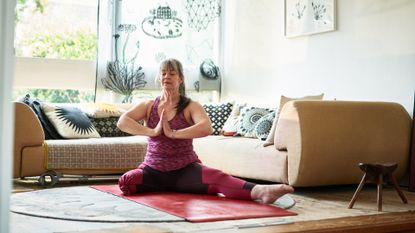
107, 127
101, 110
218, 114
270, 139
263, 126
249, 118
231, 125
70, 122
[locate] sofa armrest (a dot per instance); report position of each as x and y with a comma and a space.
326, 140
27, 132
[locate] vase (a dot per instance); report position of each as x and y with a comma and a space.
116, 97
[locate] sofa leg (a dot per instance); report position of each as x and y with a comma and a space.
48, 179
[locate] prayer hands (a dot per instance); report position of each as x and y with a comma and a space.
163, 125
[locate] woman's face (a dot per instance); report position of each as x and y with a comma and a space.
170, 79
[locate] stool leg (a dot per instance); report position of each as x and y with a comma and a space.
396, 186
359, 188
380, 187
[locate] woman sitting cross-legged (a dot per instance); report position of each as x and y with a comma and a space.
171, 122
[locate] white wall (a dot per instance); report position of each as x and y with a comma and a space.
371, 55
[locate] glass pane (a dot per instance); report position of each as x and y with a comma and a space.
63, 29
59, 31
56, 95
186, 30
149, 32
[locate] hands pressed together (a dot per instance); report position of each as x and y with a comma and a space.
163, 125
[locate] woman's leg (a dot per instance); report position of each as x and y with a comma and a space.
268, 194
220, 182
129, 181
141, 179
197, 177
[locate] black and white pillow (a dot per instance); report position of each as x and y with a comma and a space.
107, 127
263, 126
218, 114
248, 119
70, 122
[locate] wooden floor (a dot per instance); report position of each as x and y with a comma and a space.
319, 210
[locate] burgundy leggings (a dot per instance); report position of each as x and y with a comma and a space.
194, 178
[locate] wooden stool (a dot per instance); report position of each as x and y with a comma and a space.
377, 173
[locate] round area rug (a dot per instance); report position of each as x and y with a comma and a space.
88, 204
84, 204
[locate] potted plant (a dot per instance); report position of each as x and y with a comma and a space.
123, 76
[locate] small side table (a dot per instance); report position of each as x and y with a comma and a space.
378, 173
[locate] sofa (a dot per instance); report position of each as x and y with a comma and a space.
315, 143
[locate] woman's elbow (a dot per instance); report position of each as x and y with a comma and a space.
209, 130
120, 124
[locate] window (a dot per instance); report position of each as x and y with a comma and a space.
147, 32
55, 48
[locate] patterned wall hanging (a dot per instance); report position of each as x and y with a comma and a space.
162, 24
201, 12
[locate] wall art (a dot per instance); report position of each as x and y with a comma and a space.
201, 12
306, 17
162, 24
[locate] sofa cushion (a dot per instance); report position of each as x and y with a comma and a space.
107, 127
270, 139
101, 110
249, 118
242, 157
70, 122
96, 153
231, 125
218, 114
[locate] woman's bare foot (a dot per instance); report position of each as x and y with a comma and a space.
268, 194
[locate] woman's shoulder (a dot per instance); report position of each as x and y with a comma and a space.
194, 105
145, 103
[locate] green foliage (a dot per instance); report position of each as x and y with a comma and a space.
59, 96
81, 44
75, 45
22, 5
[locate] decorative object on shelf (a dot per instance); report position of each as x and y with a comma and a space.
162, 24
201, 12
123, 76
306, 17
197, 86
209, 70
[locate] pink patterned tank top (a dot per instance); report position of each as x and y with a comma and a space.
166, 154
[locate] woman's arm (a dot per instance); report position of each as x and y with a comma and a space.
201, 125
128, 121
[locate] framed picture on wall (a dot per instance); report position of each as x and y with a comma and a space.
306, 17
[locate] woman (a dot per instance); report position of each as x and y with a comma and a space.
171, 122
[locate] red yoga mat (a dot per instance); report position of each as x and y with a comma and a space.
200, 207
